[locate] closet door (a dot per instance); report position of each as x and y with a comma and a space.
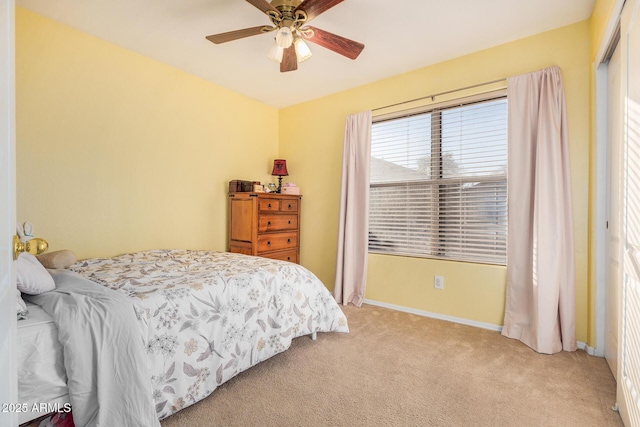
614, 217
629, 332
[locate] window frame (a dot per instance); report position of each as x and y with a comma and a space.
437, 179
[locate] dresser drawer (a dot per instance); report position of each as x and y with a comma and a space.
269, 205
288, 205
277, 222
291, 256
275, 242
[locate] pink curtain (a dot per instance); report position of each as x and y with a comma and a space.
353, 239
540, 306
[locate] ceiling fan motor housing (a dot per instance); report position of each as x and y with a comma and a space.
286, 5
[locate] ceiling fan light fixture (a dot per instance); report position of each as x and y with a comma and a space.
284, 37
302, 50
275, 53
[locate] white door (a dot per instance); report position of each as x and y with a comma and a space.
629, 332
614, 228
8, 363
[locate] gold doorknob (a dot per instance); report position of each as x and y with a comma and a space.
33, 246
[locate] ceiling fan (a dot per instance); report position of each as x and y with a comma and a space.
290, 19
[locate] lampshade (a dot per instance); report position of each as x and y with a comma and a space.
275, 53
284, 37
302, 50
280, 168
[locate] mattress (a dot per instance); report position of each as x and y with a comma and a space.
41, 373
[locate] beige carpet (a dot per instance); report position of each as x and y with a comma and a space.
398, 369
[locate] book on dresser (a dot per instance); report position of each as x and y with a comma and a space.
265, 224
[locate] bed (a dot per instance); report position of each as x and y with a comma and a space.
183, 321
41, 371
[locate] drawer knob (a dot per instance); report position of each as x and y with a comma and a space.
288, 258
268, 243
268, 222
269, 204
289, 206
289, 221
288, 240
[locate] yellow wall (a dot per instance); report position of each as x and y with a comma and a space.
117, 152
599, 19
311, 137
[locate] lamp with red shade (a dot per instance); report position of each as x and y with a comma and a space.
279, 170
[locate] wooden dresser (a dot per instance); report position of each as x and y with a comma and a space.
265, 224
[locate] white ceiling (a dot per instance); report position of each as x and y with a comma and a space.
399, 36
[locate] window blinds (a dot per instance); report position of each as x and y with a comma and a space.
438, 185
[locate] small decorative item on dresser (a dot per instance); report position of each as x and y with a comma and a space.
257, 187
235, 186
240, 186
279, 170
290, 188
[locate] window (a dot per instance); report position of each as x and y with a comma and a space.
438, 185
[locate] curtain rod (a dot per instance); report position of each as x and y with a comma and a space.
439, 94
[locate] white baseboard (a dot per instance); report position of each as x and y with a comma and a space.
591, 351
489, 326
498, 328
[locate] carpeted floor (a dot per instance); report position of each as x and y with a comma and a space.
398, 369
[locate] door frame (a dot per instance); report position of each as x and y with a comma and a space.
8, 327
598, 226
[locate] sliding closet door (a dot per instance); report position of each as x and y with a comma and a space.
629, 332
8, 363
614, 224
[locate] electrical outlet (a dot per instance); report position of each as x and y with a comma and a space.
438, 282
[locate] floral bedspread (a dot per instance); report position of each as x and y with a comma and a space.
208, 316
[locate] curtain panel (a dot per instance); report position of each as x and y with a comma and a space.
353, 232
540, 300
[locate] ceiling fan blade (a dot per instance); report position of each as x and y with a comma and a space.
289, 60
264, 6
349, 48
314, 8
239, 34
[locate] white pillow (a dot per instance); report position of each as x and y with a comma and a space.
22, 307
32, 277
